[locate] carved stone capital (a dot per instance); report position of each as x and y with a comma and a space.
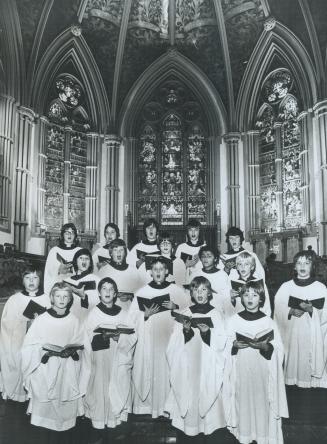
112, 141
269, 24
230, 138
76, 30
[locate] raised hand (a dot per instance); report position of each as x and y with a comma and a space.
153, 309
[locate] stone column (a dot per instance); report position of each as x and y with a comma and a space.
24, 148
304, 165
68, 131
233, 187
112, 144
252, 142
41, 178
91, 183
279, 175
7, 123
320, 113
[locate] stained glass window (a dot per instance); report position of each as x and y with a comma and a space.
171, 183
280, 106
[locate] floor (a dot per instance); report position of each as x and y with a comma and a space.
307, 425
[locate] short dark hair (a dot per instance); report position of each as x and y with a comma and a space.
148, 223
196, 282
114, 226
193, 223
81, 252
308, 256
30, 270
117, 243
234, 231
212, 250
64, 228
165, 235
109, 281
258, 287
159, 260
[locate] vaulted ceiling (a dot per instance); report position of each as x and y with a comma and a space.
125, 37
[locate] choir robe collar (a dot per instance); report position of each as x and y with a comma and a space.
250, 278
162, 286
198, 244
304, 282
249, 316
121, 267
213, 270
64, 246
201, 308
38, 293
77, 277
147, 242
235, 252
113, 311
54, 314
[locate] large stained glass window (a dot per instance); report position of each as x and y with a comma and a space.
66, 144
172, 153
279, 144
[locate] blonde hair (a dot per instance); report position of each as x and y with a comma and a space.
245, 255
60, 286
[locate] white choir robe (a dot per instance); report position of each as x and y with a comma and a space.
102, 251
304, 338
56, 388
229, 309
108, 398
150, 371
13, 330
127, 278
259, 271
258, 399
178, 276
51, 270
81, 307
192, 250
146, 247
198, 395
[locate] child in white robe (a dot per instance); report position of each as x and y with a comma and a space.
166, 249
84, 284
18, 314
154, 325
59, 264
234, 239
101, 253
258, 398
55, 382
245, 268
126, 276
189, 251
196, 358
136, 256
108, 397
303, 325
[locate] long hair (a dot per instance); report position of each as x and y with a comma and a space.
195, 284
258, 287
83, 252
64, 228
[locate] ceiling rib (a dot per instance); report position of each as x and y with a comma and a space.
171, 21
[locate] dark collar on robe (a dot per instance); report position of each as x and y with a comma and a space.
38, 293
213, 270
63, 246
201, 308
304, 282
54, 314
77, 277
120, 267
230, 251
249, 316
198, 244
113, 311
147, 242
165, 284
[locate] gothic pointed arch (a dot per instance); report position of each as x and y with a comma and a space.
282, 44
70, 48
174, 64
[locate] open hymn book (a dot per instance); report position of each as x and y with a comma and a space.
181, 318
118, 329
264, 335
57, 350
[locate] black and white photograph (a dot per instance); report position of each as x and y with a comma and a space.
163, 222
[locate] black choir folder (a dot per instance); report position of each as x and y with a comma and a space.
185, 256
179, 317
32, 309
87, 285
294, 302
57, 350
126, 293
110, 328
63, 261
158, 300
229, 263
237, 285
259, 337
103, 259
